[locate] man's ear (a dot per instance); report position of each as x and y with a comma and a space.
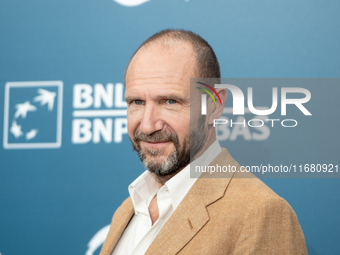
217, 111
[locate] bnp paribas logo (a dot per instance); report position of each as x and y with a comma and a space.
33, 115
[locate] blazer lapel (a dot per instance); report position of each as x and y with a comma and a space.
119, 222
184, 223
191, 215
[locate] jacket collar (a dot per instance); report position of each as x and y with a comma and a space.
183, 224
120, 220
191, 215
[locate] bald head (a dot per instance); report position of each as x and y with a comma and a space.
206, 64
156, 62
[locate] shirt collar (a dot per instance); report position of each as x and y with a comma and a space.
142, 190
145, 187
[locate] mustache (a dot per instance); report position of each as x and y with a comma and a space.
158, 136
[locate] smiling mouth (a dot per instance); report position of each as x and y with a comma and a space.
155, 144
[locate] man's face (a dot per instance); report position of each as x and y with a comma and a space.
158, 97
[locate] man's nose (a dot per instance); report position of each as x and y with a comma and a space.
151, 120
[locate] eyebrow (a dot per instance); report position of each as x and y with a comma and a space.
174, 97
131, 98
169, 96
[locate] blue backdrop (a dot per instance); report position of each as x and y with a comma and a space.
66, 160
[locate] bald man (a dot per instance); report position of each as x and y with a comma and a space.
167, 211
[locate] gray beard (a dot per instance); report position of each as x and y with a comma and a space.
176, 160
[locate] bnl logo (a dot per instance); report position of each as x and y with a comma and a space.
238, 99
33, 115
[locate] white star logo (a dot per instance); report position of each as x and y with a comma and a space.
16, 129
33, 113
46, 97
31, 134
22, 109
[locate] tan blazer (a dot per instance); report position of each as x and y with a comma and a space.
233, 215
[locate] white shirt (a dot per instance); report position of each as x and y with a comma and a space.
139, 234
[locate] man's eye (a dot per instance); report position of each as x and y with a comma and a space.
171, 101
137, 102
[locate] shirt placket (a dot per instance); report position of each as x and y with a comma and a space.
164, 208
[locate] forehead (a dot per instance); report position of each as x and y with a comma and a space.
162, 66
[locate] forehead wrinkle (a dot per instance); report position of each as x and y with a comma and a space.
174, 75
159, 81
158, 92
142, 72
